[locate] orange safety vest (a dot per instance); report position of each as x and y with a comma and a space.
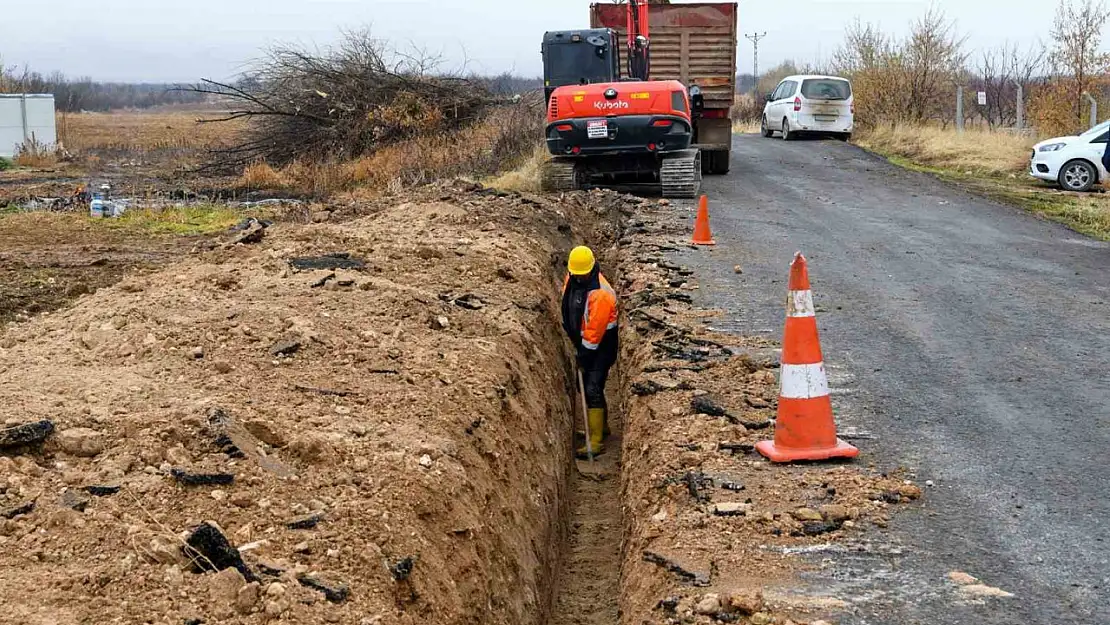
600, 315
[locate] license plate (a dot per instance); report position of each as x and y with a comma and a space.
598, 129
825, 118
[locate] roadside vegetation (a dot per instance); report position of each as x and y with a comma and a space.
905, 99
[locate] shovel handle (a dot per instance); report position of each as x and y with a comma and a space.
585, 414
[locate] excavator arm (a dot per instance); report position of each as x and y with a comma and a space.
639, 30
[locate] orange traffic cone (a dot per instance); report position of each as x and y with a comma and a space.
805, 429
702, 236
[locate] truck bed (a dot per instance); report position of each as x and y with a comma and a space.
693, 42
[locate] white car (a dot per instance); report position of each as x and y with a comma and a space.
1075, 163
810, 103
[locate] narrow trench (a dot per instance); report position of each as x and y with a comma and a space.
587, 580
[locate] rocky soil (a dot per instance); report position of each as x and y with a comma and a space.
711, 528
380, 436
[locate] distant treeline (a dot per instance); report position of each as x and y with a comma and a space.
84, 94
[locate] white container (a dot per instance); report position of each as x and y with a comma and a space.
96, 208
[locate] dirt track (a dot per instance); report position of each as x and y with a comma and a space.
972, 340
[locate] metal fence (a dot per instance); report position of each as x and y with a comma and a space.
26, 119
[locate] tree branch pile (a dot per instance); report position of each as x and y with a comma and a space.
342, 103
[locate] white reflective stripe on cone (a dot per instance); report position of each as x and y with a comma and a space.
800, 304
804, 381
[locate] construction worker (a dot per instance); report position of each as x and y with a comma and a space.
590, 321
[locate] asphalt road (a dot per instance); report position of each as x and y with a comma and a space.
971, 339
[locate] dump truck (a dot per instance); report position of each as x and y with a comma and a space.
695, 44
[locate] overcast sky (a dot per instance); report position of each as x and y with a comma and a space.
180, 41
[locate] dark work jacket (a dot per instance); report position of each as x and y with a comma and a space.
596, 341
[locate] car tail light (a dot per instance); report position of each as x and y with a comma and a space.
797, 104
575, 150
651, 147
564, 127
662, 123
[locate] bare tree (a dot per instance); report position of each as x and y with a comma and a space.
999, 72
1077, 37
934, 61
342, 102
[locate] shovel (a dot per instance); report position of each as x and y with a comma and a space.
585, 415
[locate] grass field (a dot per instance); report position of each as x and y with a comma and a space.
143, 131
992, 164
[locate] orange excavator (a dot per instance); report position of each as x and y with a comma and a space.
605, 132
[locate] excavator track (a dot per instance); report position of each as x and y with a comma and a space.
680, 174
557, 176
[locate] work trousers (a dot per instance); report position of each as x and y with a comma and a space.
595, 370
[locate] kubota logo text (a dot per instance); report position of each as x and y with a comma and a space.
611, 106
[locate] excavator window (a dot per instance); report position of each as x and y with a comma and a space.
580, 58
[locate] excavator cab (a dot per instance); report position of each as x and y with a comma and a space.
580, 57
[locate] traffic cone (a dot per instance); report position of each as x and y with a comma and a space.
805, 429
702, 236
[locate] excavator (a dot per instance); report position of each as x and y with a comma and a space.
603, 131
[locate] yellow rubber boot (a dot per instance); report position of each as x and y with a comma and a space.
596, 418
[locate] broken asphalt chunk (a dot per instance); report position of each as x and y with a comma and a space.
305, 522
335, 593
470, 301
743, 448
17, 510
696, 578
706, 404
402, 569
102, 491
26, 434
339, 260
286, 347
75, 500
202, 479
209, 550
816, 528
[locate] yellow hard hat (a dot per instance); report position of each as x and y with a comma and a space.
581, 261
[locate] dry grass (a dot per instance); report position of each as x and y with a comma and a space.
261, 176
492, 146
746, 128
142, 131
974, 152
524, 179
992, 164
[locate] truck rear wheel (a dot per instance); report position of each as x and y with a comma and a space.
715, 162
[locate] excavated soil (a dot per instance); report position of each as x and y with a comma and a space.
710, 526
398, 434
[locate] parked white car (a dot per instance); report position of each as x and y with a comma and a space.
818, 104
1075, 163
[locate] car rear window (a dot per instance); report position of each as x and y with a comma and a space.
826, 89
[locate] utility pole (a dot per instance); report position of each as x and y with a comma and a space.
754, 38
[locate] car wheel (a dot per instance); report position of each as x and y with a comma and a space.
787, 135
1078, 176
764, 130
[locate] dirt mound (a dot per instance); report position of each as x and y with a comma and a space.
381, 445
